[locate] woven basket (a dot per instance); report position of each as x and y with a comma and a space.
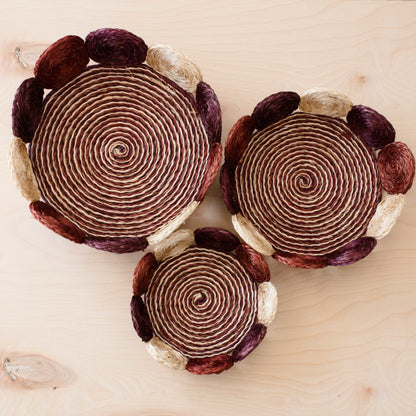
122, 152
202, 301
303, 178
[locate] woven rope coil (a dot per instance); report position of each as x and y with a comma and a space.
314, 192
202, 303
120, 150
185, 293
123, 163
304, 187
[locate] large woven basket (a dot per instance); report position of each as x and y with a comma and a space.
120, 153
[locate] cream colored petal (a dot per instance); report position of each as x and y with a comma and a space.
165, 354
174, 65
22, 172
251, 236
325, 102
173, 224
387, 212
267, 305
174, 244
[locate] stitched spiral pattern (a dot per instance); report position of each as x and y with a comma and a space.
308, 184
202, 302
119, 151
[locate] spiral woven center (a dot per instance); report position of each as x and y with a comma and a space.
202, 302
308, 184
119, 151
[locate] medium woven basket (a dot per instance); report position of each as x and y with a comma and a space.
303, 177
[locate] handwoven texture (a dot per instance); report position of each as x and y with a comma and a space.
21, 170
397, 168
120, 151
27, 109
115, 47
308, 184
61, 61
202, 302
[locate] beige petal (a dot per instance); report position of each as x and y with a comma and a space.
174, 65
165, 354
267, 305
251, 235
325, 102
387, 212
22, 172
174, 244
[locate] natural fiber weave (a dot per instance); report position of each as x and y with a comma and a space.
386, 215
120, 150
175, 65
165, 354
316, 190
104, 156
202, 303
304, 187
325, 102
21, 170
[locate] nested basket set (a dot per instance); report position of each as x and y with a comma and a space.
118, 154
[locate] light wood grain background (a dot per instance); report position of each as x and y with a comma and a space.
344, 340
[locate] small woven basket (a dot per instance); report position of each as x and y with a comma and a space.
202, 301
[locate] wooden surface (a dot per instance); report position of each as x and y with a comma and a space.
344, 340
